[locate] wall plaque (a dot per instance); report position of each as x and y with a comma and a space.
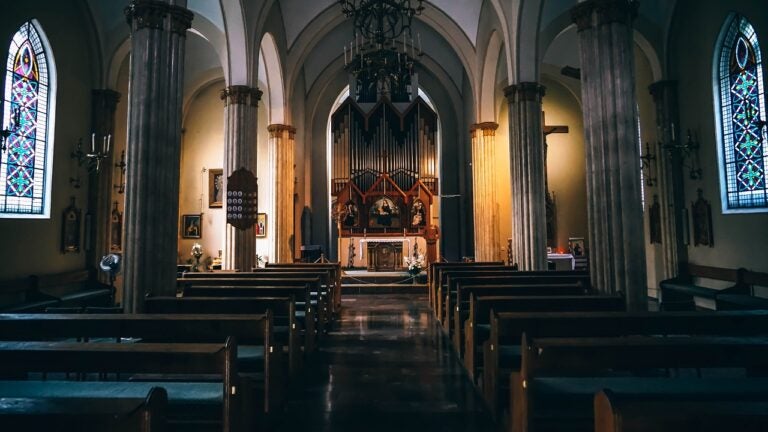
241, 199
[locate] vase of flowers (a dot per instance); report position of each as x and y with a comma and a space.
415, 265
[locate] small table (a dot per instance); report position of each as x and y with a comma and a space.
562, 261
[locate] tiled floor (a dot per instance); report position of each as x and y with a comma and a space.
387, 367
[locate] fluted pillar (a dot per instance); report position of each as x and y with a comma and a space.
283, 141
158, 32
671, 187
486, 212
241, 104
616, 246
528, 174
103, 106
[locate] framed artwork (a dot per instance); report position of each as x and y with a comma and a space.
215, 187
261, 225
384, 213
191, 226
576, 246
701, 212
70, 230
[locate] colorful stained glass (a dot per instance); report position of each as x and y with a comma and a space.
744, 149
24, 167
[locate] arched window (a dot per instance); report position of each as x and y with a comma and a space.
26, 162
742, 150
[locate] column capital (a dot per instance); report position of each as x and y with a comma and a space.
525, 91
487, 128
142, 14
277, 129
599, 12
658, 88
108, 97
241, 95
181, 19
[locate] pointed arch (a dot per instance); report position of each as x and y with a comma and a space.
26, 164
274, 72
740, 115
487, 105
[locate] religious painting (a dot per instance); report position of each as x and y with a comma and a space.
350, 215
261, 225
70, 230
701, 212
384, 213
654, 221
191, 226
215, 188
418, 214
116, 230
576, 246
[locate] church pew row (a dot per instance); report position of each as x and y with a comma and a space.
327, 281
456, 278
716, 411
259, 358
434, 269
502, 351
300, 288
334, 268
210, 397
460, 305
315, 298
442, 275
118, 414
477, 327
555, 387
288, 331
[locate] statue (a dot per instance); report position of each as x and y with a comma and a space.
351, 253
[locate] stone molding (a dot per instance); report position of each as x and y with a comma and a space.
487, 128
141, 14
275, 130
593, 13
525, 91
241, 95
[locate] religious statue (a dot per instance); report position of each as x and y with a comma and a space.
654, 225
116, 230
351, 254
702, 222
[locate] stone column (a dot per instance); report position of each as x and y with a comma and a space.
616, 246
240, 104
671, 186
283, 141
485, 203
158, 32
103, 106
528, 173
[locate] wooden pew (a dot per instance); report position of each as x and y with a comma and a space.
454, 279
558, 378
286, 327
334, 268
478, 324
717, 411
441, 278
680, 293
460, 305
433, 277
86, 414
501, 352
198, 362
261, 359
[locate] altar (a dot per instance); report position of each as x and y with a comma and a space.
378, 254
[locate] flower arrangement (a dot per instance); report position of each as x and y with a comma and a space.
415, 264
197, 252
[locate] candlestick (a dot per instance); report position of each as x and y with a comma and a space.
109, 141
93, 143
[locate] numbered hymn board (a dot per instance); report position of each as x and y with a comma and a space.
241, 199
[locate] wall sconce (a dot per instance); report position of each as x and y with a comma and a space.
94, 157
647, 164
688, 150
120, 188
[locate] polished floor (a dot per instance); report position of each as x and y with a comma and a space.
387, 367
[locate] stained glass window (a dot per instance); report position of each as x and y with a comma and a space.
743, 146
25, 166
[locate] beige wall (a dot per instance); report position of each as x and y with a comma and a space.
33, 246
566, 162
740, 240
202, 147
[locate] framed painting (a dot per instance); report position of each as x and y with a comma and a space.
191, 226
215, 187
261, 225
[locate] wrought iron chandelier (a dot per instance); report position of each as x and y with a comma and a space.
373, 55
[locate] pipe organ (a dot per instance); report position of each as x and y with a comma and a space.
384, 167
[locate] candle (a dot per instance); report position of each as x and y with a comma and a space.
109, 141
104, 144
93, 143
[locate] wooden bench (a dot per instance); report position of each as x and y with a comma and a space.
460, 305
558, 378
477, 327
333, 268
715, 411
433, 274
287, 329
86, 414
680, 293
211, 394
69, 289
441, 279
259, 356
501, 352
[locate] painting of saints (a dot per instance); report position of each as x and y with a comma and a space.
418, 214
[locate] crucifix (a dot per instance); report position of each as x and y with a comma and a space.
550, 197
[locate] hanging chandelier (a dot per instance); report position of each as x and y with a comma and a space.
373, 55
